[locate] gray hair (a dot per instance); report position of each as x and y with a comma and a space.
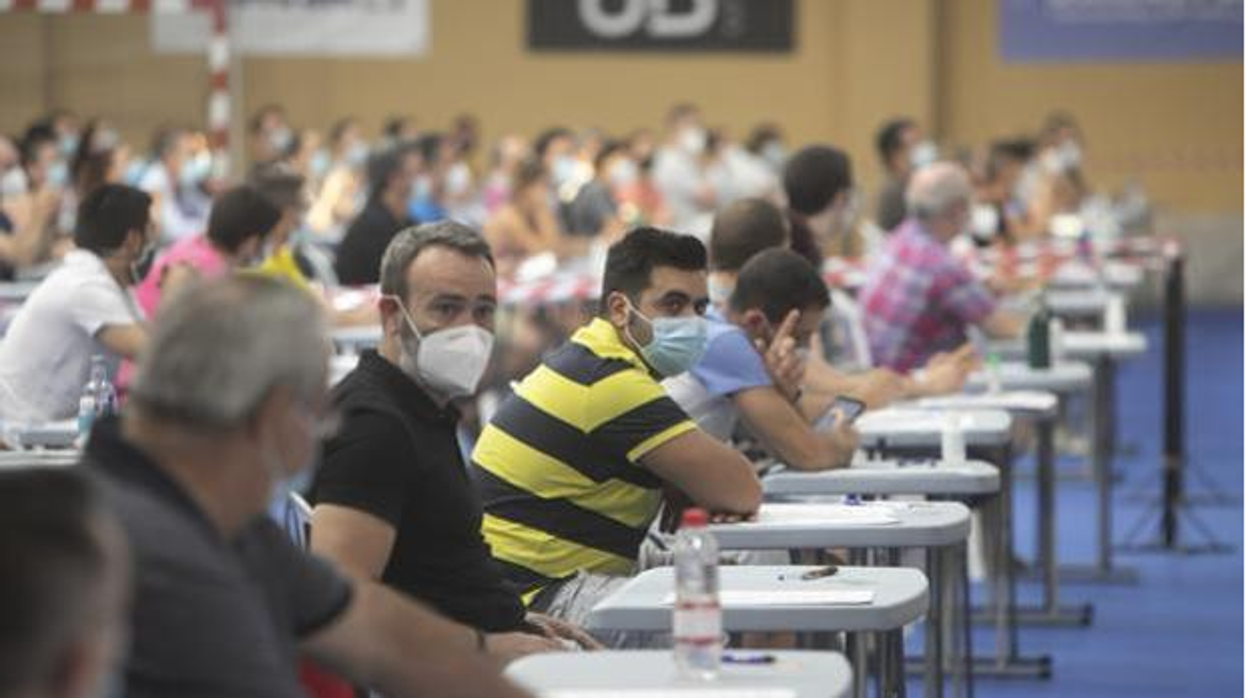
936, 188
219, 348
410, 242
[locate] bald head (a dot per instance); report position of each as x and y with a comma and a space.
939, 196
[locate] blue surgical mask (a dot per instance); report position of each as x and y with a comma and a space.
58, 175
676, 345
318, 164
196, 169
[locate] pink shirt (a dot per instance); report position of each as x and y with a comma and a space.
195, 252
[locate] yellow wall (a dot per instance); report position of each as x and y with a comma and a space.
1176, 127
857, 62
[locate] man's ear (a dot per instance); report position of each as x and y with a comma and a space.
755, 323
391, 315
617, 309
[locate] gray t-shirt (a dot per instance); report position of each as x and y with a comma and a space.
211, 617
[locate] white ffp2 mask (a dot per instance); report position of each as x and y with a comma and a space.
450, 361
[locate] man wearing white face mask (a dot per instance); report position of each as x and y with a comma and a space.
680, 174
393, 501
755, 361
573, 465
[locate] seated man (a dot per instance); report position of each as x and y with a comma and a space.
64, 590
750, 226
918, 299
83, 308
572, 466
225, 409
753, 365
393, 501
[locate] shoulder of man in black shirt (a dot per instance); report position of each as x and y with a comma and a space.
365, 242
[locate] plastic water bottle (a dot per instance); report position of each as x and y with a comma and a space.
952, 440
993, 369
697, 621
1115, 321
1038, 348
99, 398
1057, 339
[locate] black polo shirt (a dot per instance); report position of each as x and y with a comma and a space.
211, 617
397, 458
365, 242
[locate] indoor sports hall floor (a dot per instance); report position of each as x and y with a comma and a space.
1179, 631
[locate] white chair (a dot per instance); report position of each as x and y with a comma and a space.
297, 519
847, 315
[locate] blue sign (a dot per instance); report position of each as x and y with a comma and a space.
1120, 30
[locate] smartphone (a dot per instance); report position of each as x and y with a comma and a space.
849, 407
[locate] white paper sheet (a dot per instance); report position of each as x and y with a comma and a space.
817, 596
673, 691
857, 515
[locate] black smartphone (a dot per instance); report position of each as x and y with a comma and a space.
849, 407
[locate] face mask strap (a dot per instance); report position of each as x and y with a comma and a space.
632, 309
407, 317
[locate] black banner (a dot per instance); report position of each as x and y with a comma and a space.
661, 25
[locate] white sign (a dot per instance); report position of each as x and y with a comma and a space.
305, 28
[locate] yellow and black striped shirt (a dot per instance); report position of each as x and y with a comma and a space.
558, 464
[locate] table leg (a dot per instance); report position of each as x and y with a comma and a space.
1006, 661
1103, 569
857, 643
933, 631
1050, 612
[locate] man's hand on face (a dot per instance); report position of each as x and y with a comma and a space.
785, 366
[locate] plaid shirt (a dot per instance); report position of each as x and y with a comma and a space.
918, 300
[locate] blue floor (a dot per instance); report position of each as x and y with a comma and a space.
1179, 630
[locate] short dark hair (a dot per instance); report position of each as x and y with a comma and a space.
1002, 151
340, 128
240, 214
55, 557
35, 138
256, 122
165, 138
609, 147
525, 174
384, 164
408, 243
777, 282
281, 184
542, 143
393, 128
742, 230
108, 214
888, 138
814, 176
631, 261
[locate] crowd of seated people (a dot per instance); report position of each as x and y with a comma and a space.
447, 533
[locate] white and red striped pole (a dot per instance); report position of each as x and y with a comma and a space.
218, 111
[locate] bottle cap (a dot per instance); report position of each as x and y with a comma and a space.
693, 518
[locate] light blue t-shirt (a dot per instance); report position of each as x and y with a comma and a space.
731, 364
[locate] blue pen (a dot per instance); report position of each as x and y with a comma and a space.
749, 658
852, 500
